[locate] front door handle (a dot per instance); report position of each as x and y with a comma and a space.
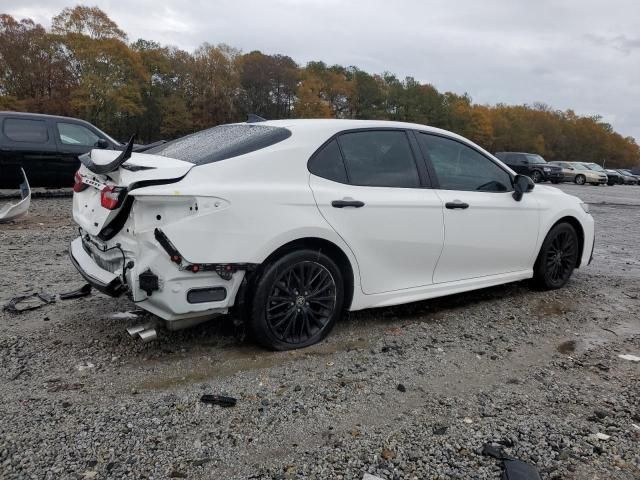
456, 204
347, 203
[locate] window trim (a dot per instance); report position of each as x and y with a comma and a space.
434, 175
424, 177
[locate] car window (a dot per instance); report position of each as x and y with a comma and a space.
515, 159
379, 158
23, 130
532, 158
459, 167
221, 142
327, 163
72, 134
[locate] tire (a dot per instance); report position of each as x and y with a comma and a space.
283, 315
594, 184
536, 176
557, 258
580, 180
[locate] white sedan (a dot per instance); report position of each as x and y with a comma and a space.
292, 222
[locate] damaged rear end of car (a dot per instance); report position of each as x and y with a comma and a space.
136, 213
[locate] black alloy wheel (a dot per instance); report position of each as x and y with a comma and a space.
557, 258
297, 300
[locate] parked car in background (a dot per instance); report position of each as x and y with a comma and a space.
568, 171
613, 177
637, 175
47, 147
532, 165
282, 220
583, 175
627, 177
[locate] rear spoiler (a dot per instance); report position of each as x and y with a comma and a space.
99, 167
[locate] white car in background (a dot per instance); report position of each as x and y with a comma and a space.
293, 222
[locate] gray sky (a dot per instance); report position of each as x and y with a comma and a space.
579, 54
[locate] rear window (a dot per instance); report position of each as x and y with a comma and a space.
221, 142
23, 130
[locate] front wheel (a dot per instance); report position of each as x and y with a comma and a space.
296, 300
580, 179
557, 258
536, 176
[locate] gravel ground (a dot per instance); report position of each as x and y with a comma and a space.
406, 392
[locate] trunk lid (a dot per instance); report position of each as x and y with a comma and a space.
139, 170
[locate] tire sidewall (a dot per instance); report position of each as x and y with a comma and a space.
263, 285
541, 275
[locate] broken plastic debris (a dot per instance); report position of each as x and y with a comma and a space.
17, 210
218, 400
601, 436
123, 316
368, 476
83, 291
513, 468
29, 302
631, 358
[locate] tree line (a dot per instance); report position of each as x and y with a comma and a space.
84, 66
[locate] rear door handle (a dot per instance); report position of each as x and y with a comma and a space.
456, 204
347, 203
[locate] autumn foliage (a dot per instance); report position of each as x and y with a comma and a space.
85, 66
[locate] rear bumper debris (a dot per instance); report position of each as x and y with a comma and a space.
99, 278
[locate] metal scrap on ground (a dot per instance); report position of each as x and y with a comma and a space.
17, 210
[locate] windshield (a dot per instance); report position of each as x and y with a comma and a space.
595, 166
578, 166
221, 142
531, 158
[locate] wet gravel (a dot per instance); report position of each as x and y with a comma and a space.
409, 392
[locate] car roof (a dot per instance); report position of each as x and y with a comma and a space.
40, 115
520, 153
338, 125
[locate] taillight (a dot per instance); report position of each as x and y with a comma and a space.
78, 184
111, 196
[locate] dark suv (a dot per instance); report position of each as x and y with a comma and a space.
47, 147
532, 165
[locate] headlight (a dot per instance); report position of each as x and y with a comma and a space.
585, 207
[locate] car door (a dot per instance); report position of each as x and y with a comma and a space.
373, 190
73, 140
487, 232
27, 142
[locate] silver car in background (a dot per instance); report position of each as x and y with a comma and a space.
580, 174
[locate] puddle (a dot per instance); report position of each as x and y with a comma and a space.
598, 336
228, 362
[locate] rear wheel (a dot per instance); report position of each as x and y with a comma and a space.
296, 300
557, 258
580, 179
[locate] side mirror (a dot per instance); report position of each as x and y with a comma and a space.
102, 143
521, 185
